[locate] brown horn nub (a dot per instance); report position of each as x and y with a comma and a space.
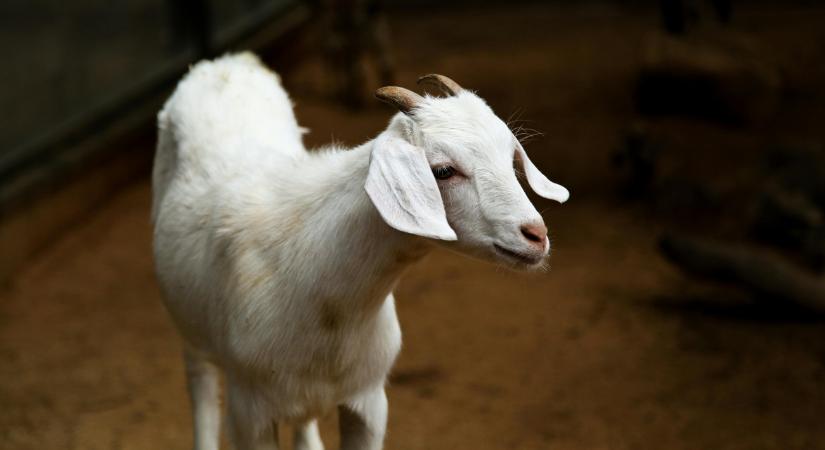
403, 99
445, 84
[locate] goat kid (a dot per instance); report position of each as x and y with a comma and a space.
277, 265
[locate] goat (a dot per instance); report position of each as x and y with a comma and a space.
277, 265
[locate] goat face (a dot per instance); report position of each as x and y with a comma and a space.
446, 169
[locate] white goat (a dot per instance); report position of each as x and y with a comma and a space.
277, 265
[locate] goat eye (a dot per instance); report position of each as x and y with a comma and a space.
443, 172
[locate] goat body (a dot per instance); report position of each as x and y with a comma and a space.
272, 261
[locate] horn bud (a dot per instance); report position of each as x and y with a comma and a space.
446, 85
403, 99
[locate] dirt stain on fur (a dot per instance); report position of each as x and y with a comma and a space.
330, 316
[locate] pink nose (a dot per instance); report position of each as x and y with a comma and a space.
536, 233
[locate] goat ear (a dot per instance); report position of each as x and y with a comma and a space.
404, 191
538, 182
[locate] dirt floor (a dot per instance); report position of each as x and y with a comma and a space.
610, 349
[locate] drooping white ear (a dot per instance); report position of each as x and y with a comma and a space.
404, 191
540, 184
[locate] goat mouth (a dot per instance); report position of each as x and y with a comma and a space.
519, 257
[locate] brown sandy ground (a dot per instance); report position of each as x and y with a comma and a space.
610, 349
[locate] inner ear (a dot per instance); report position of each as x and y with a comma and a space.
517, 165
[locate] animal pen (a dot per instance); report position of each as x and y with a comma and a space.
682, 303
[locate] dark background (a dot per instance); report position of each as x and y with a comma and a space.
684, 305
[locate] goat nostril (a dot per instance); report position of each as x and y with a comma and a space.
534, 233
529, 235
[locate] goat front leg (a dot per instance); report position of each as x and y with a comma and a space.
250, 426
307, 437
203, 380
363, 421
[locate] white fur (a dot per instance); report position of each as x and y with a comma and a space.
277, 264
